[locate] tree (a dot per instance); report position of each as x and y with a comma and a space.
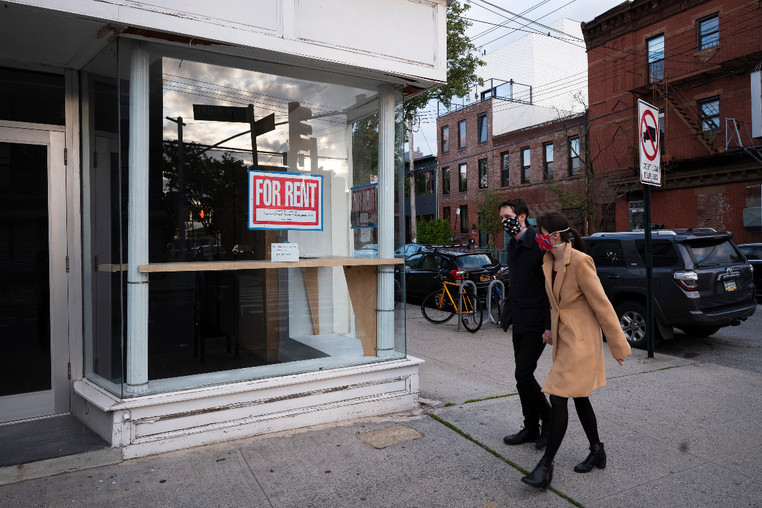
434, 232
461, 76
489, 215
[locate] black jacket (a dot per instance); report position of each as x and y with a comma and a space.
527, 306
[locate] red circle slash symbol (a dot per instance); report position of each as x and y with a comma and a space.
649, 139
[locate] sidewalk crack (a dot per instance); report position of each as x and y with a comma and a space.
248, 466
496, 454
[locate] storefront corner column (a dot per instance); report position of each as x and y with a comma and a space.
137, 231
385, 303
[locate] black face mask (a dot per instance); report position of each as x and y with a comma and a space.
512, 226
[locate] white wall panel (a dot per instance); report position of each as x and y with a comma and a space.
406, 38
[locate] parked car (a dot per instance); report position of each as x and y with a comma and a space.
422, 270
241, 251
409, 249
753, 253
701, 281
369, 250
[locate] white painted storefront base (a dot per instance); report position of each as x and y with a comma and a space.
164, 422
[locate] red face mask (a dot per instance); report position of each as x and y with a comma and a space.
543, 241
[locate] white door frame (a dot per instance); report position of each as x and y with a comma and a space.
55, 400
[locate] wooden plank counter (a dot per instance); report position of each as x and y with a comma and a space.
360, 274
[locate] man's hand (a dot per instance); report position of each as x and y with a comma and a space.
547, 337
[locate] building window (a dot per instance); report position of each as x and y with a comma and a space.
424, 183
525, 165
574, 156
445, 180
608, 217
483, 181
446, 139
504, 173
661, 133
446, 214
462, 134
548, 165
709, 114
708, 32
656, 58
463, 177
481, 121
464, 218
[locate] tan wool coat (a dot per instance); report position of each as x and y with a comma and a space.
579, 309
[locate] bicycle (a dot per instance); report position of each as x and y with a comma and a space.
440, 306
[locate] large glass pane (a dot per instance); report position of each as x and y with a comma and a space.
245, 159
24, 251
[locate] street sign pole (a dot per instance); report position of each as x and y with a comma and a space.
650, 174
649, 272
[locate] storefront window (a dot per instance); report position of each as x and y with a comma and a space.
252, 183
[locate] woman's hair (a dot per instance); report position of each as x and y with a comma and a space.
554, 221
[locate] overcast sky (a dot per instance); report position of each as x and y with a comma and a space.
520, 19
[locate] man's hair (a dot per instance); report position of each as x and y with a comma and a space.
517, 205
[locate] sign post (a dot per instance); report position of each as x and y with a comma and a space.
650, 174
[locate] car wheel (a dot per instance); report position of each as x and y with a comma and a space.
700, 331
632, 318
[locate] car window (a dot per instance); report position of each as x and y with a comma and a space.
606, 252
414, 261
750, 252
430, 262
663, 252
713, 252
474, 261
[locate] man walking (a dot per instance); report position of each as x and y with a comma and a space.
528, 310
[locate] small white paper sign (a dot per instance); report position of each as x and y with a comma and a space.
284, 252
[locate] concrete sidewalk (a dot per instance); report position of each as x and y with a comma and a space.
677, 433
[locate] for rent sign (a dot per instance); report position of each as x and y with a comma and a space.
364, 206
285, 201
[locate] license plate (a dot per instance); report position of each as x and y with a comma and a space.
484, 278
730, 285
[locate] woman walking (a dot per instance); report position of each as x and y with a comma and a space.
579, 310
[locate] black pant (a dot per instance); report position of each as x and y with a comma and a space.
527, 348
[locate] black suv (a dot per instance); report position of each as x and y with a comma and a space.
701, 281
422, 270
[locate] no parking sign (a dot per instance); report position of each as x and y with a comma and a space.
649, 141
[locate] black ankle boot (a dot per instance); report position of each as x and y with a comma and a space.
542, 474
596, 458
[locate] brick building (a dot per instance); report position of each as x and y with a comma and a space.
520, 163
695, 61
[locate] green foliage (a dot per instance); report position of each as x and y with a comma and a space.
433, 232
489, 215
365, 149
461, 63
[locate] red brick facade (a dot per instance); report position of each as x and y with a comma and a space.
536, 192
704, 183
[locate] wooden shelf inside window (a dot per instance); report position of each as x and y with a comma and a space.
360, 273
202, 266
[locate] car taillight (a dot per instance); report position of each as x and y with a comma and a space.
457, 274
687, 279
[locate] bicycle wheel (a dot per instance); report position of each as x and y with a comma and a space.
495, 306
471, 312
437, 307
